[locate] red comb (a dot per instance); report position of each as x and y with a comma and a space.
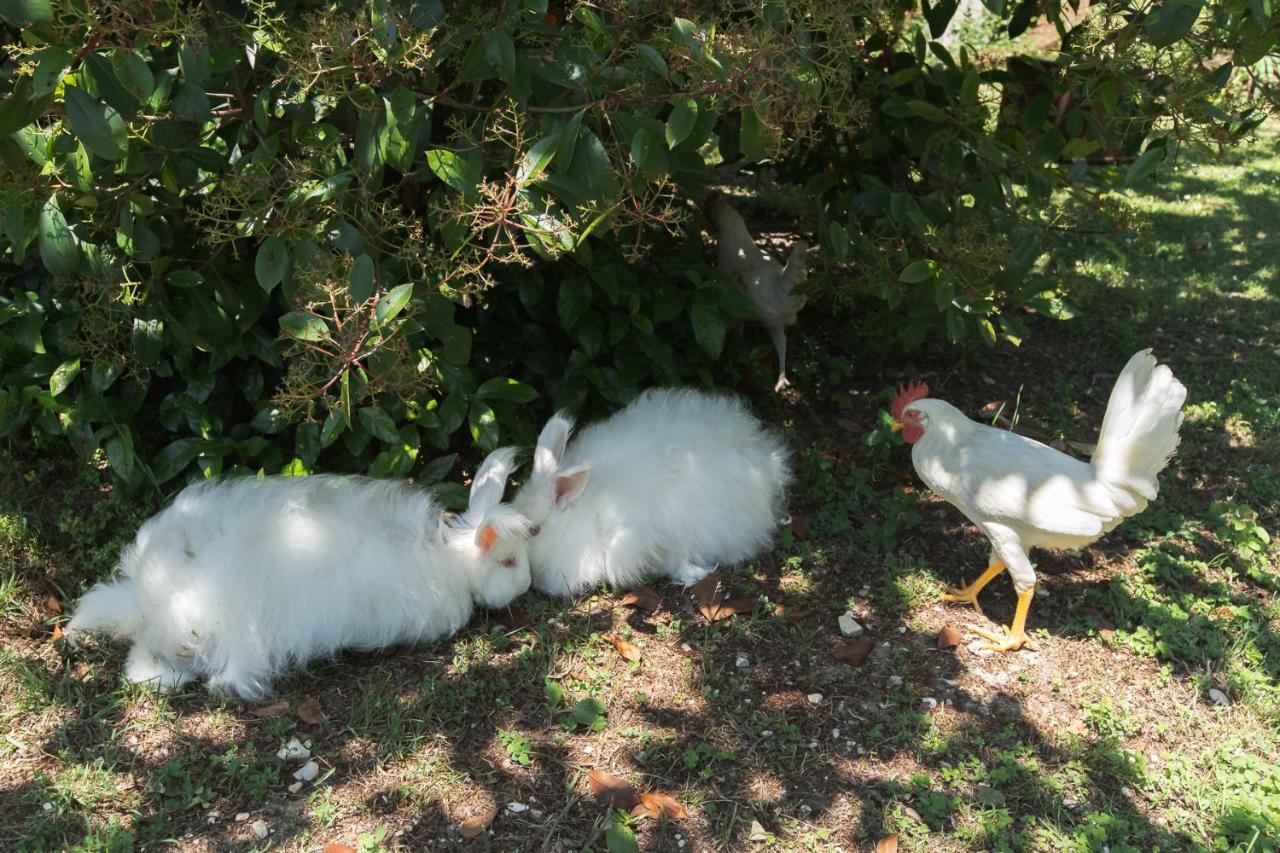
906, 396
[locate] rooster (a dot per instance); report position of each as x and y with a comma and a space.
768, 284
1023, 494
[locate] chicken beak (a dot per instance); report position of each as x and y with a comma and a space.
896, 426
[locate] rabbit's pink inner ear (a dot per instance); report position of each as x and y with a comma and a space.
485, 537
570, 484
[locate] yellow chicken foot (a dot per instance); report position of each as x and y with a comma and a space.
1015, 636
969, 595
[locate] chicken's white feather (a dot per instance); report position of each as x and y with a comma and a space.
1025, 495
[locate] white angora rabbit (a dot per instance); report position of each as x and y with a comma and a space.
240, 578
675, 483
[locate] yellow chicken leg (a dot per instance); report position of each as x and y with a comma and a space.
969, 595
1015, 636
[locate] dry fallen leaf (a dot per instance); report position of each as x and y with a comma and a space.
309, 711
849, 426
706, 590
888, 844
275, 709
53, 605
800, 526
625, 647
58, 633
339, 848
948, 638
613, 791
476, 824
657, 804
714, 611
1107, 633
82, 672
642, 597
854, 652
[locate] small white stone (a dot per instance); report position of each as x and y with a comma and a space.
848, 625
260, 828
1041, 592
815, 698
895, 681
1218, 697
686, 647
588, 749
516, 808
242, 817
928, 703
295, 787
741, 661
307, 772
757, 832
293, 751
902, 629
865, 591
47, 807
835, 734
767, 733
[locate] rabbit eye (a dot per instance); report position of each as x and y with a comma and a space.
509, 563
535, 530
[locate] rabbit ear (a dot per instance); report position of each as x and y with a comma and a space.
550, 449
502, 523
491, 480
570, 483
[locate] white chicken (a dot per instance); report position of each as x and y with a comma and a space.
1023, 494
769, 285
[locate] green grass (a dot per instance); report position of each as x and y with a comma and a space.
1107, 738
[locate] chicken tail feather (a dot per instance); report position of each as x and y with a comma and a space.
1140, 429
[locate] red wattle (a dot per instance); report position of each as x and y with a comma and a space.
911, 433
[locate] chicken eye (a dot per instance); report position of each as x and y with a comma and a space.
509, 563
535, 530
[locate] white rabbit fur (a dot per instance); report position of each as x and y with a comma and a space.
675, 483
240, 578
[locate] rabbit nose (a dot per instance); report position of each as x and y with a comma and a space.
535, 530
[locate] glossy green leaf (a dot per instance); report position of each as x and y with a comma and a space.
537, 158
304, 326
271, 262
917, 271
684, 114
709, 324
24, 13
1172, 20
64, 376
484, 425
1145, 165
59, 250
393, 303
503, 388
379, 424
51, 62
573, 300
97, 125
361, 278
653, 58
170, 461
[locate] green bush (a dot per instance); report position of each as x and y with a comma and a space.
365, 235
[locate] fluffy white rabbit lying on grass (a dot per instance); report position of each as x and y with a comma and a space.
238, 579
675, 483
